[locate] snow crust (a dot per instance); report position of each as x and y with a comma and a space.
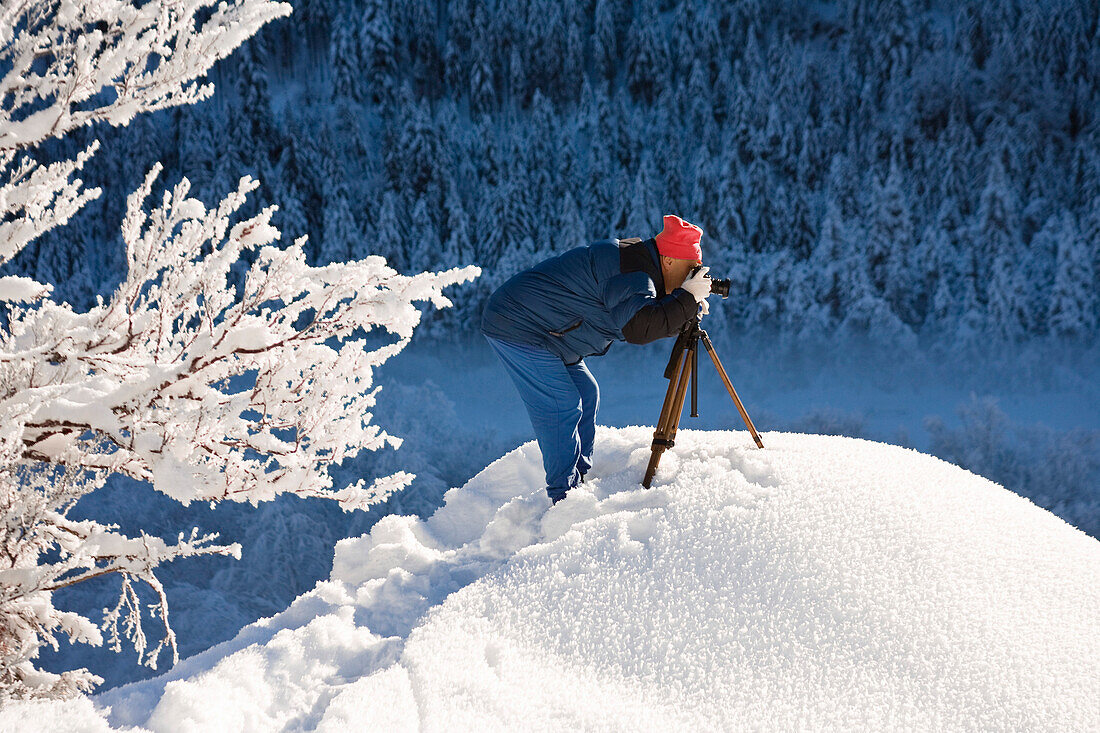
820, 583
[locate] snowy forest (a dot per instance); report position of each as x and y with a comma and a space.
918, 175
891, 169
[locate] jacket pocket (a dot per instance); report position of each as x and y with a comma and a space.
574, 325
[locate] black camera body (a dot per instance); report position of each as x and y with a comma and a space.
718, 286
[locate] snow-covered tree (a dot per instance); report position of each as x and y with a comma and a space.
996, 231
377, 49
890, 240
605, 39
344, 60
647, 55
830, 262
339, 228
75, 64
208, 386
1073, 299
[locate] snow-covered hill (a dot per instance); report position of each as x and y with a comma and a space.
823, 582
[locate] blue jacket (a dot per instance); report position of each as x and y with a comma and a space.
578, 303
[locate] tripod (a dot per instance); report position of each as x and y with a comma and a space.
682, 368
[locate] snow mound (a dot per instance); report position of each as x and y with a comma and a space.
822, 582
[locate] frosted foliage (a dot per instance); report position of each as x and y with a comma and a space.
822, 583
68, 64
209, 391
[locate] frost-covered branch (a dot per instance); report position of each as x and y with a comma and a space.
67, 64
33, 503
207, 392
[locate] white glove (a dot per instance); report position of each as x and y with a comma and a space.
698, 285
704, 307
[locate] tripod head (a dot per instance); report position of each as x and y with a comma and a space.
689, 334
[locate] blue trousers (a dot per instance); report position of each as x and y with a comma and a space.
562, 402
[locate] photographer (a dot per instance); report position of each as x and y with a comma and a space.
544, 321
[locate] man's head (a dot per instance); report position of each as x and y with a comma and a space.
678, 245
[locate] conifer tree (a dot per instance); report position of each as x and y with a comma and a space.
642, 208
890, 240
1007, 300
573, 56
339, 230
420, 28
1073, 300
829, 261
605, 41
1039, 265
378, 50
571, 230
647, 56
423, 237
345, 63
996, 230
387, 235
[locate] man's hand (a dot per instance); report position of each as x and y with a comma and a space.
698, 284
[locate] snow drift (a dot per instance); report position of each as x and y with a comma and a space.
822, 582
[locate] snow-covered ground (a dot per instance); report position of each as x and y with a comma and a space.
823, 582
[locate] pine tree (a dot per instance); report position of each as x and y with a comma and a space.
1073, 301
1007, 300
418, 155
458, 249
926, 272
605, 40
483, 99
996, 231
339, 229
548, 34
251, 129
419, 28
830, 262
293, 188
344, 60
378, 50
570, 231
890, 241
387, 235
647, 56
198, 146
1039, 266
490, 234
699, 104
456, 55
573, 60
423, 249
482, 85
540, 160
804, 321
642, 209
1090, 234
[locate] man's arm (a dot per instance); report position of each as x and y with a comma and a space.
662, 318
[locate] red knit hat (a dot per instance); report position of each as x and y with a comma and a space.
679, 239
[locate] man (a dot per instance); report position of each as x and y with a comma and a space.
544, 321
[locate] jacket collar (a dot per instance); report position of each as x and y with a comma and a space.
641, 256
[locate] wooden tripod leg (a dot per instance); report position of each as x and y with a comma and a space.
667, 423
730, 389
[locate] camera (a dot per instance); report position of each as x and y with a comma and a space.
718, 286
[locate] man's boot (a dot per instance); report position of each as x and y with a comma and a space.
555, 494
